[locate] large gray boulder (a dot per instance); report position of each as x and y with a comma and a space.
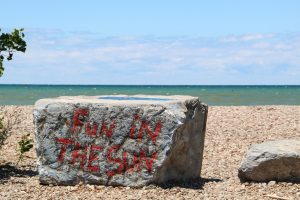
119, 140
272, 161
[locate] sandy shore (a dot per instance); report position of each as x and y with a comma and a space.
230, 131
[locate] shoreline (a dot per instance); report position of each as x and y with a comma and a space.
230, 132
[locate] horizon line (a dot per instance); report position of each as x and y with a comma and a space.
247, 85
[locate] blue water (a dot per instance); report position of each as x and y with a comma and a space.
212, 95
134, 98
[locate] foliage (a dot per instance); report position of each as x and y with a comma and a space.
6, 124
3, 132
9, 44
8, 120
24, 146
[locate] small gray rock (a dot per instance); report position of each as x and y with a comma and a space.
271, 183
271, 161
119, 140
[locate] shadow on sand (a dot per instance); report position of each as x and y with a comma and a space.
197, 183
8, 170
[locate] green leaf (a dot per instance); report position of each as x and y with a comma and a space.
1, 68
9, 44
24, 146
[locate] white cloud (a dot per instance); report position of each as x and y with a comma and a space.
79, 57
248, 37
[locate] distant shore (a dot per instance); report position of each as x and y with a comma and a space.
230, 132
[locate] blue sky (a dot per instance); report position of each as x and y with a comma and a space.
155, 42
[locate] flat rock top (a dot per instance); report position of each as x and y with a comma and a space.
278, 147
119, 99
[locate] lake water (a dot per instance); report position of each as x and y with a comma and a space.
212, 95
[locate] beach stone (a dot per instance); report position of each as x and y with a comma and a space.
119, 140
271, 161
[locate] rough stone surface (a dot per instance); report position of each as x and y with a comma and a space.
119, 140
272, 161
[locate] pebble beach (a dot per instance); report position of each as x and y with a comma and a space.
230, 132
